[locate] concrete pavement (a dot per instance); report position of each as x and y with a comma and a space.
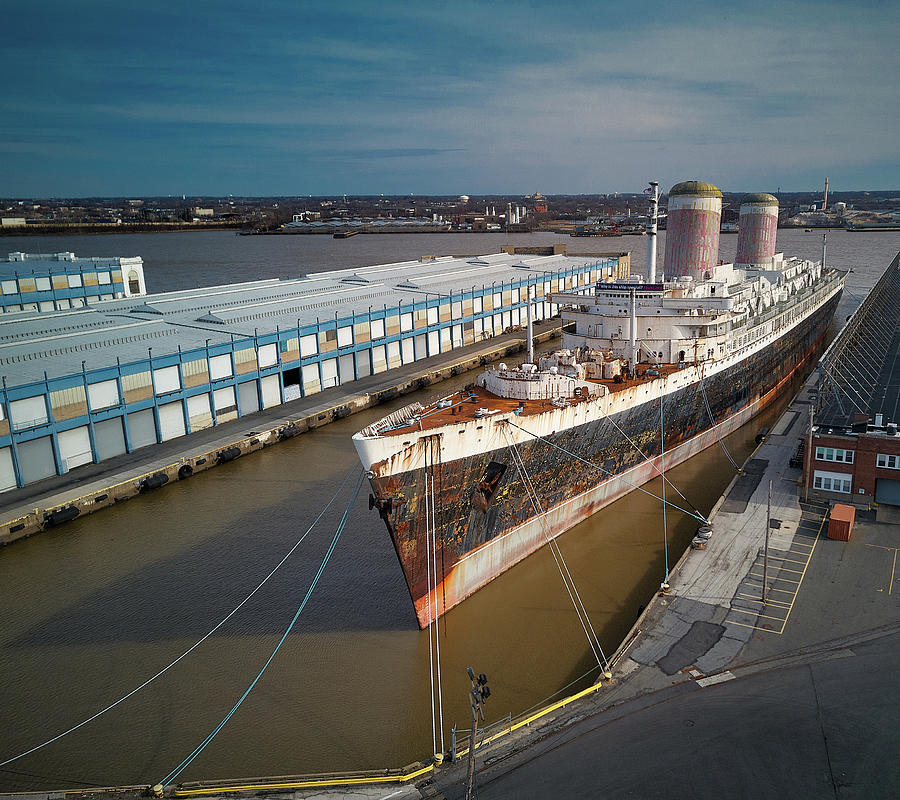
717, 693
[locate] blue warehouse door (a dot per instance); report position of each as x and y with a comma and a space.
887, 492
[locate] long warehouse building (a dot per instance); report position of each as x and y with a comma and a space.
81, 386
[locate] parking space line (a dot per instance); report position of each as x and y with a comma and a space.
893, 564
811, 552
780, 558
752, 599
773, 589
786, 580
752, 627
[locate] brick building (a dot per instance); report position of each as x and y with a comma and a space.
855, 466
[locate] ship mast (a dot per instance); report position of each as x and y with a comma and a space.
632, 333
529, 326
651, 231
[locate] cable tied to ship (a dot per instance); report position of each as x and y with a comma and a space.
328, 553
196, 644
661, 473
568, 580
712, 422
434, 643
436, 448
698, 516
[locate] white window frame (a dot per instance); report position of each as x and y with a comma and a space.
836, 455
839, 482
884, 460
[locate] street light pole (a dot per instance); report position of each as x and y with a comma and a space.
479, 694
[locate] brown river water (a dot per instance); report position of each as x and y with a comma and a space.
92, 609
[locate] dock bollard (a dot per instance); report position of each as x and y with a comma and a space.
157, 790
438, 759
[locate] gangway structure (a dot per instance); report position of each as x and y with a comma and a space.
852, 450
859, 372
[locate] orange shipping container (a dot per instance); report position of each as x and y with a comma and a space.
841, 523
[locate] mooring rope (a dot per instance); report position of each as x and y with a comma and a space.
568, 581
662, 464
437, 630
712, 422
210, 736
652, 464
605, 471
194, 646
428, 496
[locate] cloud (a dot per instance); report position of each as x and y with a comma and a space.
470, 97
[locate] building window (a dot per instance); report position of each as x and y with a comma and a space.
134, 283
832, 482
834, 454
888, 462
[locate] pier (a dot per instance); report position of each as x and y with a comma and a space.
62, 498
764, 664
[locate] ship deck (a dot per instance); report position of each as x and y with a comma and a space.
467, 403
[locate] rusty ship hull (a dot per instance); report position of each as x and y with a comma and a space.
482, 522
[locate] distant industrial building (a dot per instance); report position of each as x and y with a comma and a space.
86, 384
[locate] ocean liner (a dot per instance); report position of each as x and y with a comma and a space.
477, 481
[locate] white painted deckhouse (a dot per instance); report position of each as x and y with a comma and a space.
89, 383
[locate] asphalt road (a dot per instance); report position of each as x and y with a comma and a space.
820, 729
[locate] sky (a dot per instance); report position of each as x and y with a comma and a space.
310, 98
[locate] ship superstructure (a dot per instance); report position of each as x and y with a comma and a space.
482, 478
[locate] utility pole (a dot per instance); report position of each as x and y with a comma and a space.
766, 550
479, 694
809, 464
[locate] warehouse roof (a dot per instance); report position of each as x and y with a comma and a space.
58, 342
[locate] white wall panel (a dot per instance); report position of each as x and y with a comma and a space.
220, 367
199, 412
171, 420
75, 447
247, 394
103, 394
345, 336
141, 428
393, 351
7, 473
271, 392
329, 373
223, 399
268, 355
363, 367
309, 345
109, 438
346, 365
166, 380
36, 459
28, 412
311, 382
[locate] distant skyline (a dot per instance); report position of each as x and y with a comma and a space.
104, 98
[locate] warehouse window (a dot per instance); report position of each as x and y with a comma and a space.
832, 482
834, 454
884, 460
